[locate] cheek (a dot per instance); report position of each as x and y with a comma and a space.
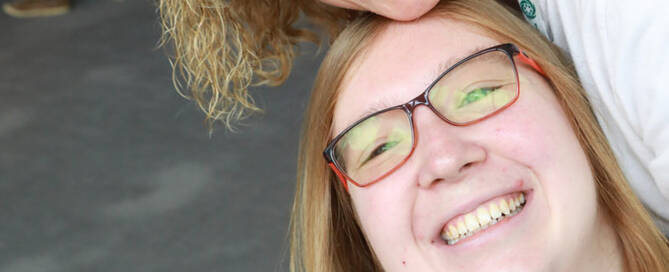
521, 137
384, 211
541, 131
380, 206
369, 208
537, 133
539, 136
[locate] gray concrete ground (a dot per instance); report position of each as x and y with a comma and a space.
103, 167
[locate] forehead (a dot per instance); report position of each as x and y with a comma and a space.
401, 62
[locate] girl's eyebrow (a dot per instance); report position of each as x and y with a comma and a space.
375, 107
444, 65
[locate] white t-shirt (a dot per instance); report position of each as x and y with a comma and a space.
621, 53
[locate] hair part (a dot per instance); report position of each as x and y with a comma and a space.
325, 235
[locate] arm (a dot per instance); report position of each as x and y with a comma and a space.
639, 72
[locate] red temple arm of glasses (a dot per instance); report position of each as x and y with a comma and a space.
527, 60
340, 176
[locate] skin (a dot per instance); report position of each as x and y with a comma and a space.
401, 10
528, 147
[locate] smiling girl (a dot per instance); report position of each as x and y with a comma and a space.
448, 149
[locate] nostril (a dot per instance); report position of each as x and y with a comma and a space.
467, 165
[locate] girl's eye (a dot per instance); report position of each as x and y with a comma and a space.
476, 94
380, 150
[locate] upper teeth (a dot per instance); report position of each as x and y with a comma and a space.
482, 217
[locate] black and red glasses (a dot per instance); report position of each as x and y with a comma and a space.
473, 89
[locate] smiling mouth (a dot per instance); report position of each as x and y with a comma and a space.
483, 217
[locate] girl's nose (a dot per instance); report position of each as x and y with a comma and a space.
443, 152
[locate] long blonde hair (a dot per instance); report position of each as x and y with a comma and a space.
324, 232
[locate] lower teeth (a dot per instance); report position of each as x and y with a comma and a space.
493, 222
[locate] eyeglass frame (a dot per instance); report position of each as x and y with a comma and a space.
509, 49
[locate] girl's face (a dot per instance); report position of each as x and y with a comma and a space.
456, 175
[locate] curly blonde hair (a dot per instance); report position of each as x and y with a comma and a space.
221, 48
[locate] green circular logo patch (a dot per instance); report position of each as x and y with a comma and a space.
528, 9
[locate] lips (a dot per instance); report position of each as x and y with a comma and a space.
467, 197
483, 216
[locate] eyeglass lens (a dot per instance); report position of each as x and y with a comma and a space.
471, 91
